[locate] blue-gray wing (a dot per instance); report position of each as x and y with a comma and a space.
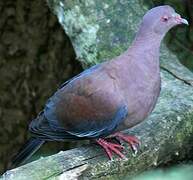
85, 107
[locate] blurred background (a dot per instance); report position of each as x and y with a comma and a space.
36, 56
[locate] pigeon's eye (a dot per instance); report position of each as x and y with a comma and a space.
164, 18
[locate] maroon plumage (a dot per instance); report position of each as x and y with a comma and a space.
111, 96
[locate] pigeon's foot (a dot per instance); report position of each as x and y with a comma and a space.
133, 141
110, 148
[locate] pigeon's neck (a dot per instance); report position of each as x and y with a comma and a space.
146, 51
147, 42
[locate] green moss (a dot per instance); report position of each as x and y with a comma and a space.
99, 30
81, 30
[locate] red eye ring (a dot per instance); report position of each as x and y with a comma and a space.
164, 18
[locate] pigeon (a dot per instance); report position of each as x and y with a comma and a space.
109, 97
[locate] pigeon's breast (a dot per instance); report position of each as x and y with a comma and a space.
142, 101
141, 89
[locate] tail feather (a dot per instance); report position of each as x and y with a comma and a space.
32, 145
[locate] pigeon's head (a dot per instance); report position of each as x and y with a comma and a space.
161, 19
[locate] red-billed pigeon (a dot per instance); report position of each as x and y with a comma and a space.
108, 97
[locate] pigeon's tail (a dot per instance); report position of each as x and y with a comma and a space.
31, 146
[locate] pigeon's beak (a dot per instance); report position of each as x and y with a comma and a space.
179, 19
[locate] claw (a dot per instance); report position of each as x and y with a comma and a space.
134, 149
110, 148
133, 142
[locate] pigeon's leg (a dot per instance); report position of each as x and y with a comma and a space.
110, 148
133, 141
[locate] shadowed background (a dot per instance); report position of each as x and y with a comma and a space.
36, 57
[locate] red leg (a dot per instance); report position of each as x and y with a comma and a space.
133, 141
110, 148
